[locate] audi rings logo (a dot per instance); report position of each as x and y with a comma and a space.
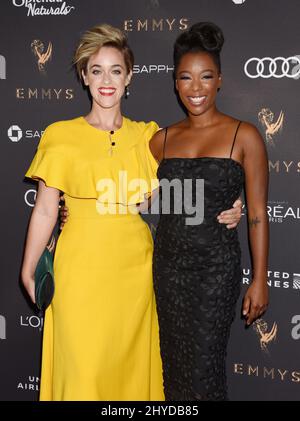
277, 67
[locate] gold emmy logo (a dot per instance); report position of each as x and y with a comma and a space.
266, 118
265, 336
158, 24
41, 55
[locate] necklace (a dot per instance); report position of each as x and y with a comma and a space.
112, 142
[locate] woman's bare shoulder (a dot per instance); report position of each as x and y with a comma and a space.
156, 144
157, 141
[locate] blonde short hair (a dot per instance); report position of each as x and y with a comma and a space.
95, 38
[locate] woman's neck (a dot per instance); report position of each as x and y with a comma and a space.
206, 119
105, 119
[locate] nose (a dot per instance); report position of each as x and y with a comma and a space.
196, 84
106, 78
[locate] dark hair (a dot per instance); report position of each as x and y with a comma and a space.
202, 36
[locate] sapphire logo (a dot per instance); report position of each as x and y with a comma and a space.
30, 197
15, 133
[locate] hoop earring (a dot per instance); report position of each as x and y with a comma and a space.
127, 93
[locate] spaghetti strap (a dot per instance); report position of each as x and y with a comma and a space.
235, 137
165, 142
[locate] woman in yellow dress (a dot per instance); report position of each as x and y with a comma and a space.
101, 337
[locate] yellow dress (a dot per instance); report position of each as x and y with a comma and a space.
101, 337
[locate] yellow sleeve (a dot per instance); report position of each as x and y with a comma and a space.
147, 163
49, 163
152, 164
57, 163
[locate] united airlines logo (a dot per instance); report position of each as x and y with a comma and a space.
42, 54
30, 384
266, 335
276, 279
268, 67
271, 125
296, 280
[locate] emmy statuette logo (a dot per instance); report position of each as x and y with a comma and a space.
265, 336
271, 127
41, 54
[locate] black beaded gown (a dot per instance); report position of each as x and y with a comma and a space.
197, 278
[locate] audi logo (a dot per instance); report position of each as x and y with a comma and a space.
277, 67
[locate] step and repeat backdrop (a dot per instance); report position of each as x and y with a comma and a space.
261, 73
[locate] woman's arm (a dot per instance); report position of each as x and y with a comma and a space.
42, 222
256, 185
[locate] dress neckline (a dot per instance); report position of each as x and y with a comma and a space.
104, 131
204, 157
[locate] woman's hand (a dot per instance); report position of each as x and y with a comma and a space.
232, 216
255, 300
63, 215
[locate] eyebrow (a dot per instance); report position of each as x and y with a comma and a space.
99, 65
202, 71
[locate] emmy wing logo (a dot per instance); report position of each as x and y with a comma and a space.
41, 54
265, 336
272, 128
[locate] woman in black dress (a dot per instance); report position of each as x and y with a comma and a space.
197, 270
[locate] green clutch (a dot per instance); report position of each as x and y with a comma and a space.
44, 280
